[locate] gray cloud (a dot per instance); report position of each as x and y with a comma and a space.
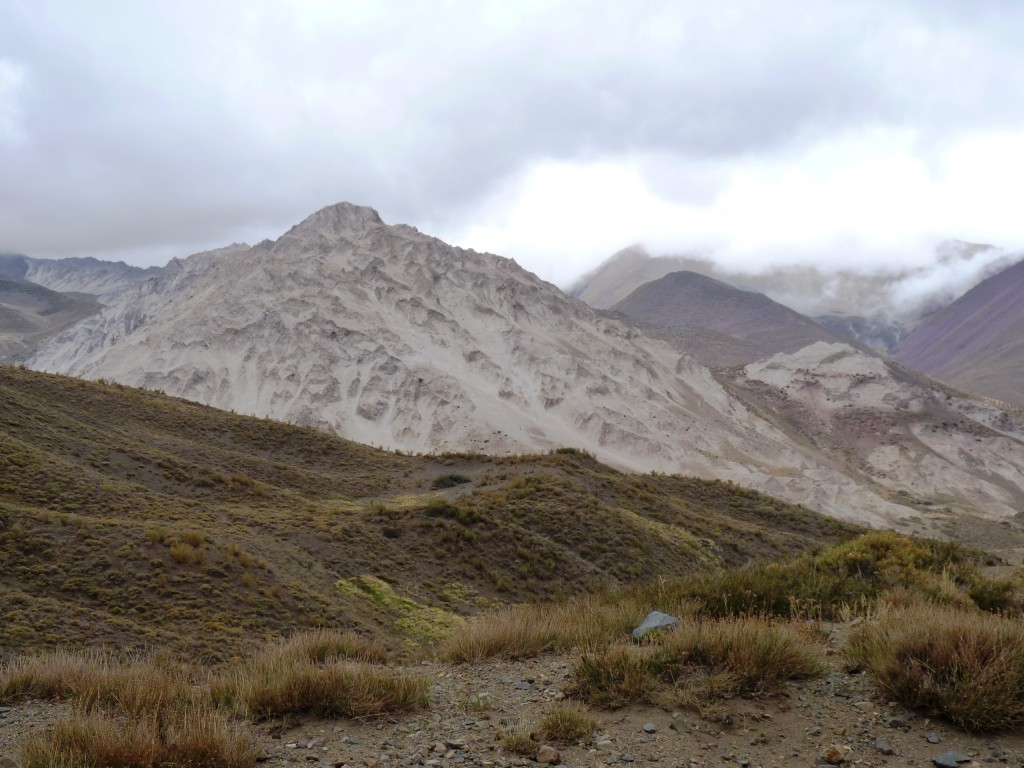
138, 130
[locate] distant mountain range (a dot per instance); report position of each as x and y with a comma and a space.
41, 297
31, 314
87, 278
692, 305
876, 309
391, 337
977, 342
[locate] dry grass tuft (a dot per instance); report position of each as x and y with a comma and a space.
703, 661
519, 741
530, 630
193, 737
322, 645
95, 681
614, 676
566, 724
967, 666
46, 676
273, 686
756, 654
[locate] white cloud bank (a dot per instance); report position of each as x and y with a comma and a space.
557, 132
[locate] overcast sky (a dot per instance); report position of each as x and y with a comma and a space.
846, 133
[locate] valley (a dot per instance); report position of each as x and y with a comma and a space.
355, 496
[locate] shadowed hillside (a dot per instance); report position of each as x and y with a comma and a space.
977, 342
31, 314
688, 300
131, 518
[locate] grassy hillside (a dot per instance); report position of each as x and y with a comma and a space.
134, 519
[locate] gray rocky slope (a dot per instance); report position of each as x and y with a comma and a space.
393, 338
88, 278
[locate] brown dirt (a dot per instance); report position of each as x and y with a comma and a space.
793, 729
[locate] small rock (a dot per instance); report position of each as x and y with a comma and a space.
371, 762
455, 743
548, 754
865, 706
650, 728
950, 759
883, 746
440, 748
932, 737
524, 686
835, 754
655, 620
291, 745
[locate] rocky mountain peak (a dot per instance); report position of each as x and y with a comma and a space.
338, 220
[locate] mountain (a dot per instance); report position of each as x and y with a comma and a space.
202, 531
31, 314
977, 342
682, 300
390, 337
89, 278
872, 308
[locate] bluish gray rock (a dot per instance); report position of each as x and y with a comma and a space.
655, 620
950, 759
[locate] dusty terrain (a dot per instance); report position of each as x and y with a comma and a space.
472, 705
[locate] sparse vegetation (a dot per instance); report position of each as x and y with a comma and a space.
699, 660
179, 534
848, 576
967, 666
323, 645
196, 737
203, 532
614, 676
757, 655
529, 630
159, 711
274, 686
518, 741
566, 724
